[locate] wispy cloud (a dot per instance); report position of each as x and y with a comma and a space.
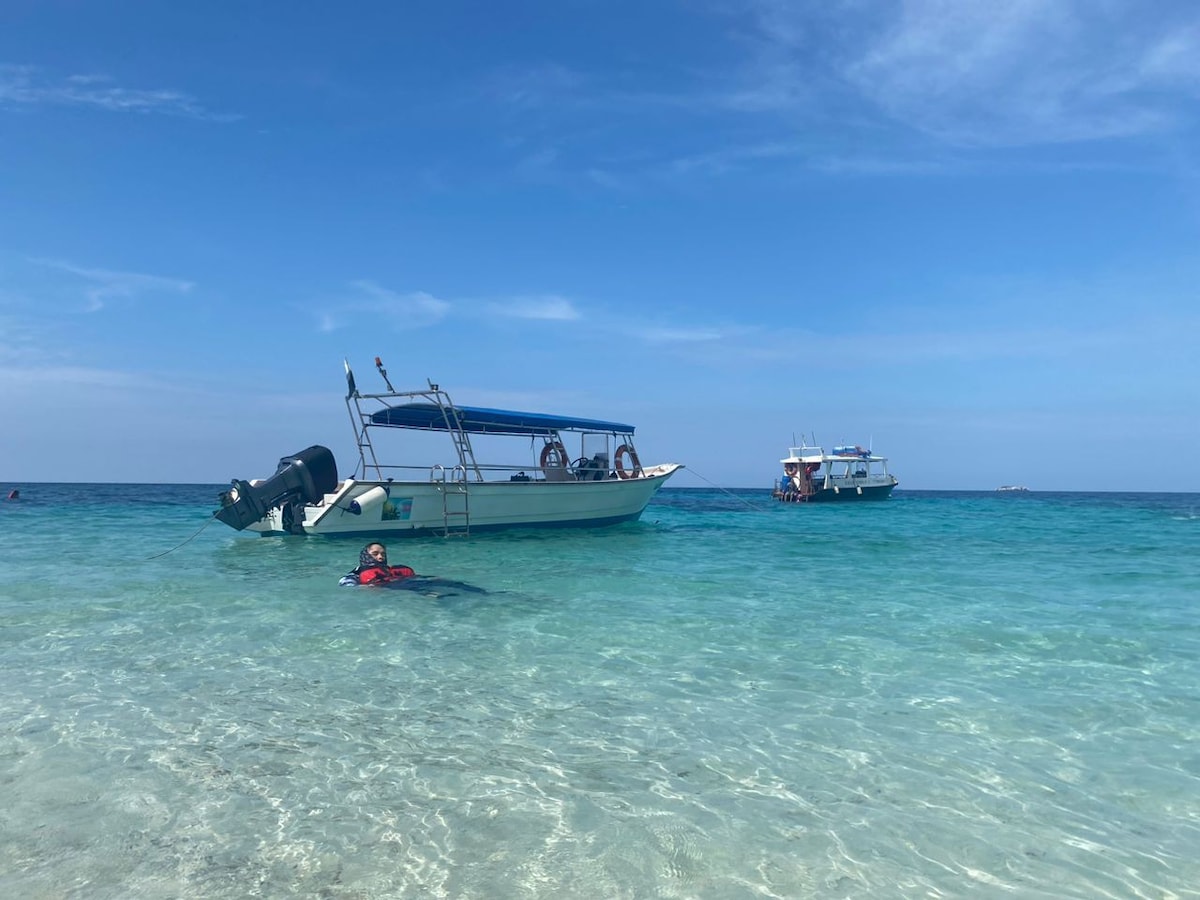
1002, 72
549, 308
46, 377
1109, 348
372, 304
534, 86
888, 166
29, 86
103, 285
927, 84
730, 158
22, 342
1174, 58
682, 335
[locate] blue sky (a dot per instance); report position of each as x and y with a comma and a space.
964, 231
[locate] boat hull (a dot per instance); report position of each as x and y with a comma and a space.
416, 508
852, 494
847, 494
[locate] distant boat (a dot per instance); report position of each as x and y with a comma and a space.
810, 475
1012, 487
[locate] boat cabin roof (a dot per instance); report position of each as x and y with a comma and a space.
839, 454
479, 420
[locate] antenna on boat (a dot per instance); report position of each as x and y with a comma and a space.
383, 372
351, 387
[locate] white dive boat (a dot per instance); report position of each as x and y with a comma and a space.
605, 484
810, 475
1012, 489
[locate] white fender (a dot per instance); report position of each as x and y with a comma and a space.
369, 503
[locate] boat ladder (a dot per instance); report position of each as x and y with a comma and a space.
456, 500
462, 444
462, 440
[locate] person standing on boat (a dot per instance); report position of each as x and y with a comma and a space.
373, 568
790, 483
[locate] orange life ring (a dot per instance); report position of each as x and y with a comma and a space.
558, 451
635, 465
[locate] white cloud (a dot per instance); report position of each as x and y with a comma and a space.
548, 308
681, 335
606, 179
810, 83
374, 304
1174, 59
1000, 72
736, 157
22, 342
105, 284
534, 86
417, 309
1106, 347
58, 377
29, 86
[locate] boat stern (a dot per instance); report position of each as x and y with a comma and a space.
304, 477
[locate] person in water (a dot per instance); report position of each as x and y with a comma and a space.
373, 568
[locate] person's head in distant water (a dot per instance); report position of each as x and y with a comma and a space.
374, 554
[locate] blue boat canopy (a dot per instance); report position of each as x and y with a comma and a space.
477, 420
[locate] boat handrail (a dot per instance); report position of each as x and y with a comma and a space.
397, 472
439, 473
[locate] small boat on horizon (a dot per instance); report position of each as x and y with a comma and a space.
1012, 488
848, 473
604, 485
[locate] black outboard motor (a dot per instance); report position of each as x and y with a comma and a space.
304, 477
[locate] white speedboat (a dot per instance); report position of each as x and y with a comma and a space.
810, 475
576, 472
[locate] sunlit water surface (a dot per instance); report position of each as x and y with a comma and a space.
941, 695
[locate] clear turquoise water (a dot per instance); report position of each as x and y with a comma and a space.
980, 695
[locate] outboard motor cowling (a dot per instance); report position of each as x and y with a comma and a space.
304, 477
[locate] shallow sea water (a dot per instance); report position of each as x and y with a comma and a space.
942, 695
